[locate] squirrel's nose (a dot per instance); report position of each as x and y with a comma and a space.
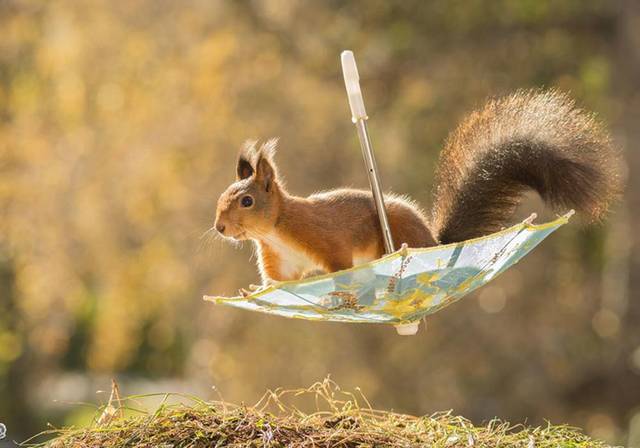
220, 227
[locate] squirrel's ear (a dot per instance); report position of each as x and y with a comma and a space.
265, 172
244, 168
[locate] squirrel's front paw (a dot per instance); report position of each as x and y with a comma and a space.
252, 290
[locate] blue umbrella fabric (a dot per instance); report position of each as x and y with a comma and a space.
402, 287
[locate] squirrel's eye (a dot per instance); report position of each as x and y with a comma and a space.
246, 201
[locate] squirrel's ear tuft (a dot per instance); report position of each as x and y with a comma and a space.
268, 148
244, 168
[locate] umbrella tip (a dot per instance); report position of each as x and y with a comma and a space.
409, 329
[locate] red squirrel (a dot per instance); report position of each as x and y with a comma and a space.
529, 140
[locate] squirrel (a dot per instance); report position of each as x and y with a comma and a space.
531, 140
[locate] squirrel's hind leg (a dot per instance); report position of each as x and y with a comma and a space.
408, 225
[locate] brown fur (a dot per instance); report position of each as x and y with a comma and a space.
530, 140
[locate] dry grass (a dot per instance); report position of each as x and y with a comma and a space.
342, 419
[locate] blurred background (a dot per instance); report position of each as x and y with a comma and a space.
119, 126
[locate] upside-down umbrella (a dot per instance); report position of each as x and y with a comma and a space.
405, 285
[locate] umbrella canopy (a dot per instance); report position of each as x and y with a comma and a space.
402, 287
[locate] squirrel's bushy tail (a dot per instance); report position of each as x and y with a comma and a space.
530, 140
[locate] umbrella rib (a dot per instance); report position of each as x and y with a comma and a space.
305, 300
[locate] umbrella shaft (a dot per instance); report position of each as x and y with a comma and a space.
374, 181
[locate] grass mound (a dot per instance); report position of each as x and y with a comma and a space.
342, 419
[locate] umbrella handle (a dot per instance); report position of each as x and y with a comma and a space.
359, 118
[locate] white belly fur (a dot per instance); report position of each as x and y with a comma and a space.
293, 262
